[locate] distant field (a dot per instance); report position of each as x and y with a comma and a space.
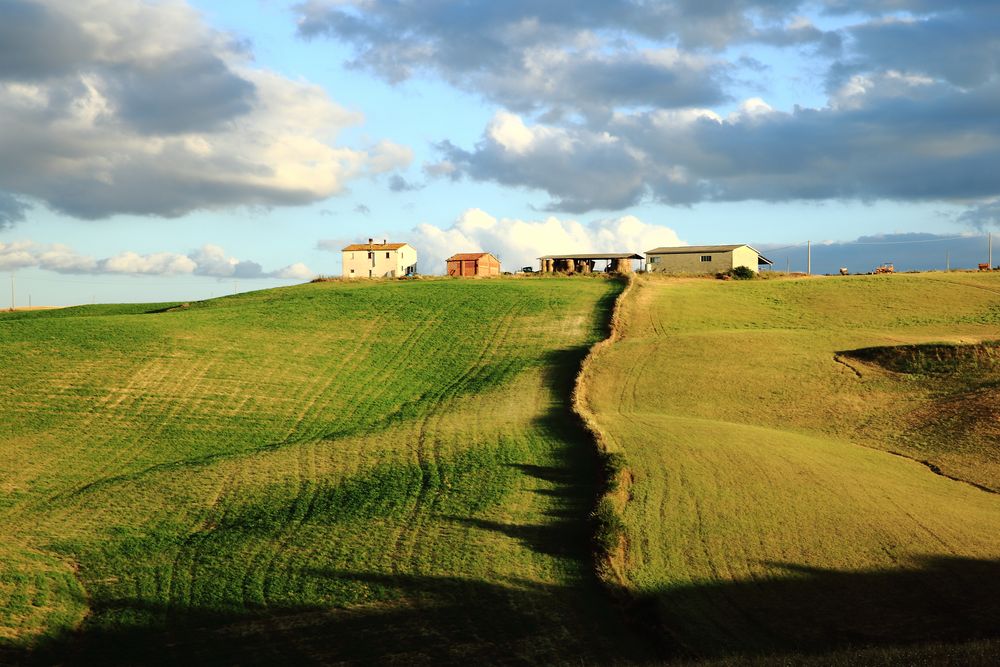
373, 472
767, 516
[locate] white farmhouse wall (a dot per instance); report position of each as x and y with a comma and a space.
378, 263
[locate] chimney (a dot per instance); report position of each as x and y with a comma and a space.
385, 241
371, 240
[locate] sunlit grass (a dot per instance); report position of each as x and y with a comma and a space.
340, 457
767, 514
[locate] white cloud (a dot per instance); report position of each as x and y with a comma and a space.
128, 107
297, 271
519, 242
158, 264
16, 255
209, 260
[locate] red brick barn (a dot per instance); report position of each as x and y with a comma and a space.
466, 264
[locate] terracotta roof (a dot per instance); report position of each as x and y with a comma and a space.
466, 256
374, 246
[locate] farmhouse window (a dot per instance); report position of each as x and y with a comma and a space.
387, 255
706, 258
371, 255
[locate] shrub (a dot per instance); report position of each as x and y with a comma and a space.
612, 464
610, 528
743, 273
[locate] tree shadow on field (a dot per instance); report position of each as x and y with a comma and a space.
437, 620
813, 611
826, 616
421, 619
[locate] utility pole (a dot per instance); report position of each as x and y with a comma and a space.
788, 264
947, 260
991, 249
12, 290
809, 258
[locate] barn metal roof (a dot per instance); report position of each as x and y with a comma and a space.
698, 249
374, 246
690, 249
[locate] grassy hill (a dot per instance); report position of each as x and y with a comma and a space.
781, 440
390, 472
371, 472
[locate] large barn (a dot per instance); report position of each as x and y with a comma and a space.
467, 264
703, 259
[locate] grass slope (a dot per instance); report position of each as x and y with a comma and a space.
368, 472
767, 515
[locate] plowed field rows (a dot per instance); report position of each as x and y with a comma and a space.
372, 472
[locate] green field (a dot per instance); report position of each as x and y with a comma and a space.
805, 471
364, 472
781, 439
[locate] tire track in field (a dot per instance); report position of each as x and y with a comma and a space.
136, 443
181, 594
266, 554
319, 394
263, 565
410, 526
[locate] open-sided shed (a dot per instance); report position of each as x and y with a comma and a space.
616, 262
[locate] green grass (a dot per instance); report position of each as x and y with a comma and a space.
372, 472
768, 516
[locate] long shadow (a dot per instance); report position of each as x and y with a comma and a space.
807, 614
434, 620
816, 611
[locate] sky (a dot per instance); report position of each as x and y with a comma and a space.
179, 150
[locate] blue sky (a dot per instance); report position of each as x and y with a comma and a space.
181, 150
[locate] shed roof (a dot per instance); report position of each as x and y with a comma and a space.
698, 249
691, 249
600, 255
466, 256
374, 246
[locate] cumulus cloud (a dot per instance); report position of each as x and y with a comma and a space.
518, 242
399, 184
12, 210
607, 103
209, 260
958, 46
566, 53
140, 108
885, 136
982, 215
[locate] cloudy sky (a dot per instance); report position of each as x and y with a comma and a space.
183, 149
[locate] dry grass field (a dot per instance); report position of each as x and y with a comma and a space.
781, 510
333, 472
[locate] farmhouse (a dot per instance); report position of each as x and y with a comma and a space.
379, 260
704, 259
615, 262
473, 264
